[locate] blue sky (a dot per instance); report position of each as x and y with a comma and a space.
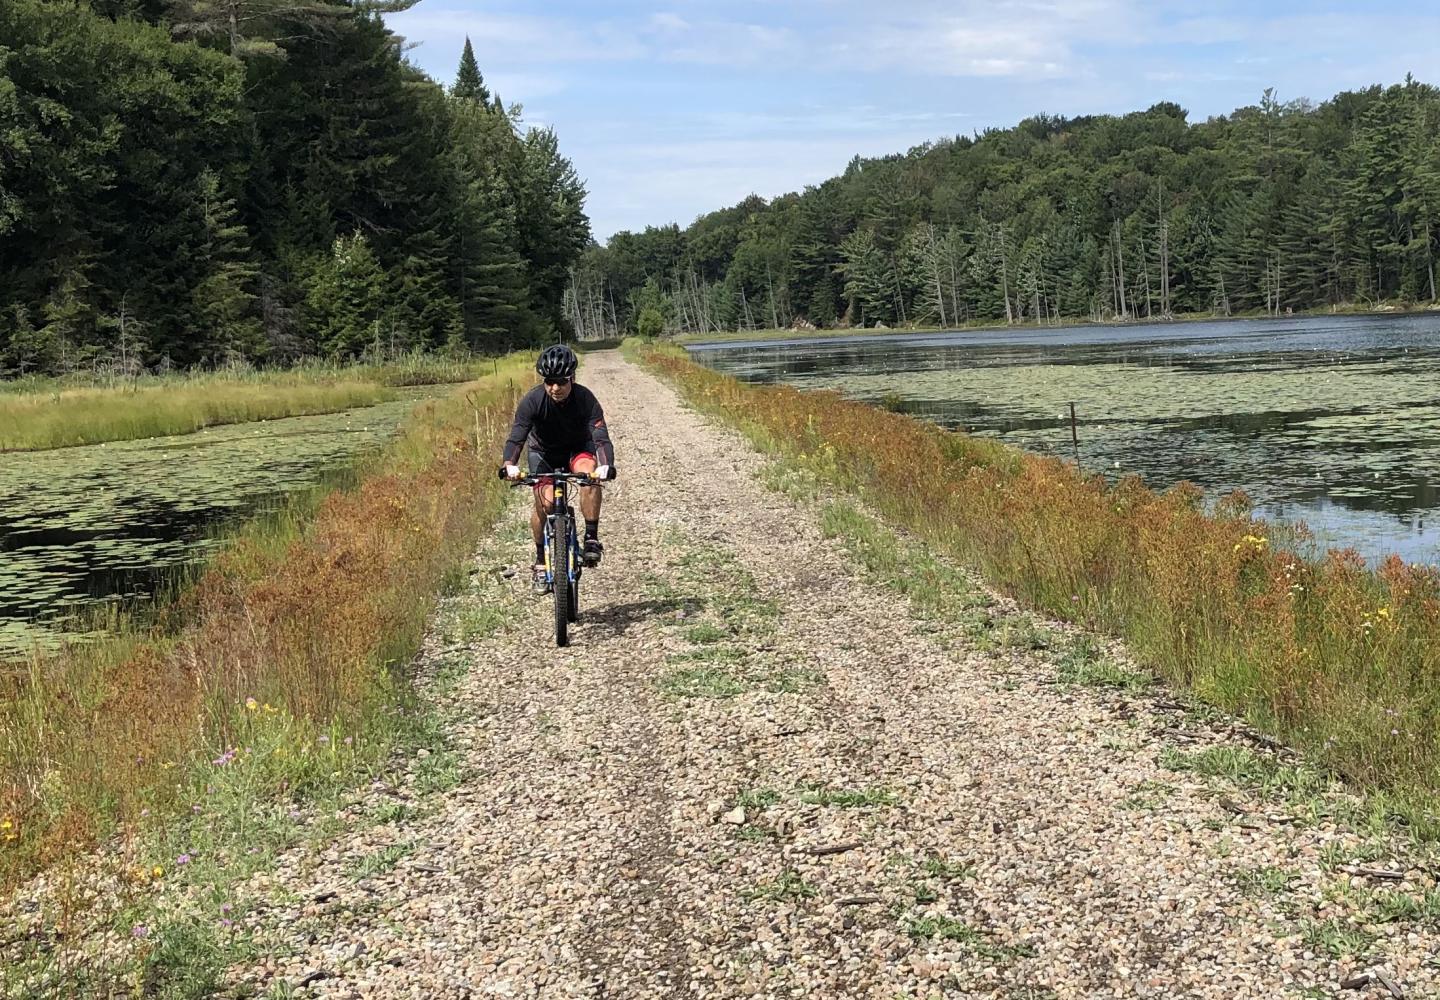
670, 110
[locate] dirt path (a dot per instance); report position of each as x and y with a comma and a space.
757, 774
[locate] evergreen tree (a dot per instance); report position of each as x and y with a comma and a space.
469, 84
223, 300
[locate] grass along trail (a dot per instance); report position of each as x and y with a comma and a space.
763, 770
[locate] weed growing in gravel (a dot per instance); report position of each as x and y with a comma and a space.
379, 862
788, 888
754, 834
701, 682
935, 588
757, 798
1247, 769
848, 798
1147, 796
438, 771
1390, 905
1336, 938
947, 869
705, 633
393, 812
1264, 881
1336, 853
1085, 665
945, 928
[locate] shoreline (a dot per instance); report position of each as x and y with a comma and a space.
782, 335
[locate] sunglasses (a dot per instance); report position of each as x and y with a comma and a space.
557, 381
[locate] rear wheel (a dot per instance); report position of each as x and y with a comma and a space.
560, 569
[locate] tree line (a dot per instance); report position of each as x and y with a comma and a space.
189, 182
1278, 206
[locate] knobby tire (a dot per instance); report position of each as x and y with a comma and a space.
560, 569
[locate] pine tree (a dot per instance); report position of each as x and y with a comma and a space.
224, 300
345, 298
469, 84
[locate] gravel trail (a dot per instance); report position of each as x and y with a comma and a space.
758, 774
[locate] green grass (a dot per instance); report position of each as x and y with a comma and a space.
1085, 665
1265, 881
705, 633
848, 798
788, 888
379, 862
91, 416
947, 869
1336, 938
701, 682
758, 798
1247, 769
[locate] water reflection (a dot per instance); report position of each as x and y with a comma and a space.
1331, 420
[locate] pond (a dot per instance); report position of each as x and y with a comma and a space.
80, 526
1333, 421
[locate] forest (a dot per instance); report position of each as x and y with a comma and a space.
204, 182
1281, 206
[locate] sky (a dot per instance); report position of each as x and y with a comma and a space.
673, 109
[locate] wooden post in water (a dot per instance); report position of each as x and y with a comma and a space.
1074, 437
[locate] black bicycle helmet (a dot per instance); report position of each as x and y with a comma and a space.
557, 362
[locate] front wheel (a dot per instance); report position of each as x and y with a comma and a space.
560, 571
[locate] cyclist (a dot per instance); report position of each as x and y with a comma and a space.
562, 425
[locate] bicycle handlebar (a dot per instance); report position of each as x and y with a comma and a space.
583, 478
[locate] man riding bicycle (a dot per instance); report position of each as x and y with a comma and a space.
562, 426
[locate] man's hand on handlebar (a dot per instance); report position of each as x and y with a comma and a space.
510, 472
604, 472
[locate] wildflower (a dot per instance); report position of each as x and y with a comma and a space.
270, 709
157, 872
349, 740
225, 908
183, 859
195, 807
322, 739
251, 704
139, 931
1383, 613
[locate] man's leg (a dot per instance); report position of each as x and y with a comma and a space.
544, 504
589, 509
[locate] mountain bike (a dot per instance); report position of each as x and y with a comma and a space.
563, 554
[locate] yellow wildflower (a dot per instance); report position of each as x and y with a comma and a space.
251, 704
157, 871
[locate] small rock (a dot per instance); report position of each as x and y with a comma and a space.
735, 817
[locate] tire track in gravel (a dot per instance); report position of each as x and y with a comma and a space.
985, 842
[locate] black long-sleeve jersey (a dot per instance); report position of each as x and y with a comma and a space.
561, 429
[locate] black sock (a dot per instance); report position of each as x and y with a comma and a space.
592, 530
539, 552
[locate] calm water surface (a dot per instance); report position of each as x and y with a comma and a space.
1334, 421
